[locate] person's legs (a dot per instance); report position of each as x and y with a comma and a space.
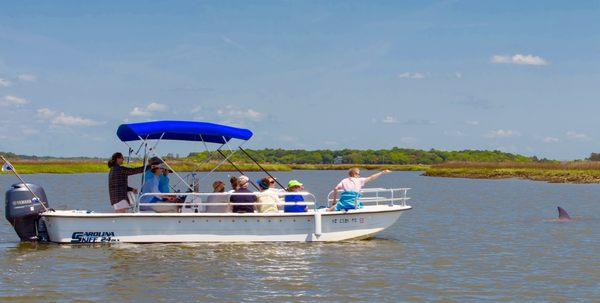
121, 207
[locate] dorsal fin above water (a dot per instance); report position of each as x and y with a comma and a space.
562, 214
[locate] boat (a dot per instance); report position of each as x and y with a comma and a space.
29, 212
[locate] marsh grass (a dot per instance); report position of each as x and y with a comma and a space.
77, 167
554, 172
550, 165
565, 172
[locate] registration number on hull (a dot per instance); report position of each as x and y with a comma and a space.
93, 237
359, 220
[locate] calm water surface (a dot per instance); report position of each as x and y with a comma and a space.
465, 240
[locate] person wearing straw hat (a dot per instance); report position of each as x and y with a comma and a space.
296, 202
218, 189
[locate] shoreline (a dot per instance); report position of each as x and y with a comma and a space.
555, 173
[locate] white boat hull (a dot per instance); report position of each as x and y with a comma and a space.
84, 227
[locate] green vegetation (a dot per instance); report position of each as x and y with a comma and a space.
77, 167
459, 164
594, 157
555, 172
397, 156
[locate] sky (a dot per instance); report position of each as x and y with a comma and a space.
516, 76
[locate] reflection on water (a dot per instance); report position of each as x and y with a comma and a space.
465, 240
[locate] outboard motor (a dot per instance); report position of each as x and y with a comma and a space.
23, 211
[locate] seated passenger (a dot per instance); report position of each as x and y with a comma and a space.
163, 179
350, 188
218, 187
269, 196
299, 205
151, 186
234, 183
163, 182
242, 187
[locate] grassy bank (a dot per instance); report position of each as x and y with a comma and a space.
570, 172
77, 167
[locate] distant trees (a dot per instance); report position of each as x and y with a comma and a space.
382, 156
594, 157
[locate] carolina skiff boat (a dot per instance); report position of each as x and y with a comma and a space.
28, 210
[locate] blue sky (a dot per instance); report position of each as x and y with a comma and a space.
519, 77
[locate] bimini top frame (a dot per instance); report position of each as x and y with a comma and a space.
181, 131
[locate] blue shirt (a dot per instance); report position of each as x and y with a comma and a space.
163, 181
150, 186
294, 208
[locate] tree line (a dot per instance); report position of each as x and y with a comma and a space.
382, 156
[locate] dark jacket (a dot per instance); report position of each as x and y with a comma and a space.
117, 182
242, 199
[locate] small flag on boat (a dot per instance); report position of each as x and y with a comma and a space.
7, 167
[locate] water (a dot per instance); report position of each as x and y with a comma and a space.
465, 240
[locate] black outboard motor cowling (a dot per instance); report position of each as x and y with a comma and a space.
24, 213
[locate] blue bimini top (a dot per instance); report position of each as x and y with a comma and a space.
181, 131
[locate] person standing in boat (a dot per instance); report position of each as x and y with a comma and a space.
350, 188
118, 180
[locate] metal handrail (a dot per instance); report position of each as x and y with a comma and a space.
304, 194
402, 198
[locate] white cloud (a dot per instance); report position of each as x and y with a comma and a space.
63, 119
571, 135
66, 120
500, 133
473, 123
4, 83
139, 112
389, 119
12, 100
408, 75
45, 113
157, 107
27, 77
550, 140
519, 59
149, 110
235, 113
458, 75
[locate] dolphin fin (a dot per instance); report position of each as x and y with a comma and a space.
562, 214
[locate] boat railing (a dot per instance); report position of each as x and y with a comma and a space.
378, 196
200, 199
